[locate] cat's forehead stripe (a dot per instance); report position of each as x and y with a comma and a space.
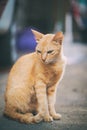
45, 41
47, 38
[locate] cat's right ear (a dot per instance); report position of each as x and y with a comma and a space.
58, 38
37, 35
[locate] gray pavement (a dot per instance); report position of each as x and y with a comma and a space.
71, 95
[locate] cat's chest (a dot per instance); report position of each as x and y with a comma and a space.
52, 76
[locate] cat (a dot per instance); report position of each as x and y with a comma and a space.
32, 83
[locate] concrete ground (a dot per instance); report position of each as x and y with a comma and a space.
71, 95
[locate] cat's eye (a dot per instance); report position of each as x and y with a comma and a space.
38, 51
49, 51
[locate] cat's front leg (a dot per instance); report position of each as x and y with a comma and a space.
51, 92
43, 112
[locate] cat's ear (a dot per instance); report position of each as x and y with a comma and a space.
37, 35
58, 38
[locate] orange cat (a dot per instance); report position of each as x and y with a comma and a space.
33, 80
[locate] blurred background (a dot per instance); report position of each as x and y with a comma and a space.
17, 17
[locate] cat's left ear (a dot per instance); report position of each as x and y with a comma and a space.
37, 35
58, 38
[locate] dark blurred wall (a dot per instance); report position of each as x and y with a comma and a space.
35, 13
5, 50
2, 6
41, 14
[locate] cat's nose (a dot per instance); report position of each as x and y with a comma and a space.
43, 57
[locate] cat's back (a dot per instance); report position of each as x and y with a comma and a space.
22, 69
24, 62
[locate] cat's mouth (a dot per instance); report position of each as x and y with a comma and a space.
48, 62
44, 61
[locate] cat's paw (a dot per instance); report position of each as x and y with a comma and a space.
48, 118
38, 118
56, 116
27, 118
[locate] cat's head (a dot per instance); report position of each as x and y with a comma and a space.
49, 46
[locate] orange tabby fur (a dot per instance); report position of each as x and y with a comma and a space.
33, 80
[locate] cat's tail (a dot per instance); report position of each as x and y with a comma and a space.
24, 118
